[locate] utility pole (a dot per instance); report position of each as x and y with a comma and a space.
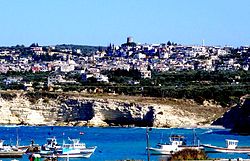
147, 137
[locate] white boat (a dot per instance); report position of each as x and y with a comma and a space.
73, 153
177, 143
231, 147
50, 145
66, 153
7, 151
75, 149
76, 144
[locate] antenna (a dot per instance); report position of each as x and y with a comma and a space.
203, 42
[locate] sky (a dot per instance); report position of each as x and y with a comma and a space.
101, 22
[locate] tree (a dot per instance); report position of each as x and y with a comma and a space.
92, 80
169, 43
34, 45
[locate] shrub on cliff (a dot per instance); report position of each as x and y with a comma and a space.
7, 96
189, 154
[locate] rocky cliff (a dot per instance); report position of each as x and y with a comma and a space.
238, 117
60, 109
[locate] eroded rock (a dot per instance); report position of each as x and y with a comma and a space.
83, 111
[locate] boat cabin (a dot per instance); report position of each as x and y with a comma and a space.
51, 141
177, 140
4, 147
75, 144
1, 144
231, 144
51, 144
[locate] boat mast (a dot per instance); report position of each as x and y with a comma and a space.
147, 138
196, 140
193, 137
17, 138
161, 137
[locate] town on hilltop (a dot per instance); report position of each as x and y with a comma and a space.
54, 66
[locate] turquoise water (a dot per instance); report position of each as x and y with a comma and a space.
116, 143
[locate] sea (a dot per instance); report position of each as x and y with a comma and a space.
119, 143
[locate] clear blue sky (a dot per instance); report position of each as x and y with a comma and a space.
100, 22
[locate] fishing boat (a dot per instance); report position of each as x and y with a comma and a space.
73, 153
11, 154
51, 145
75, 149
176, 143
66, 153
7, 151
50, 148
76, 144
231, 147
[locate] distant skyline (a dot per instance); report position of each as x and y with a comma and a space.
100, 22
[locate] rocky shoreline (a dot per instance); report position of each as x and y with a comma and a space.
22, 108
237, 118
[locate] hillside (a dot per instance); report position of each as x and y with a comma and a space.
237, 118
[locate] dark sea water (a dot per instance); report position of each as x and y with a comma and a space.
117, 143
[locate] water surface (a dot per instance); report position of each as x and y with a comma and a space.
115, 143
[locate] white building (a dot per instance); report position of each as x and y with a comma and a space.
67, 68
102, 78
164, 55
139, 56
145, 74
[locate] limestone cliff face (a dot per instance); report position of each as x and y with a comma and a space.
81, 111
19, 110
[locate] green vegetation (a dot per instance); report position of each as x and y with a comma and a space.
36, 78
28, 76
86, 50
189, 154
8, 96
225, 87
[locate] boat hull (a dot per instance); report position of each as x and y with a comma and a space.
81, 155
11, 154
67, 153
215, 149
88, 150
156, 151
76, 155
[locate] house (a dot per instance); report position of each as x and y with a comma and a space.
102, 78
163, 55
2, 60
67, 68
35, 68
10, 80
145, 74
3, 69
38, 50
55, 78
28, 86
139, 56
